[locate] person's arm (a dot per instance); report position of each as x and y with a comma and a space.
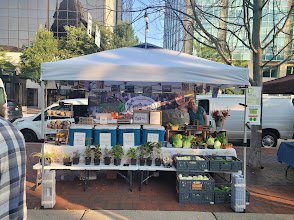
205, 118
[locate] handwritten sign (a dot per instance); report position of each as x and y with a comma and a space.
141, 118
128, 139
155, 117
152, 137
103, 120
79, 139
105, 139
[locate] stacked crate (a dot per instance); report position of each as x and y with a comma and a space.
238, 202
191, 186
48, 189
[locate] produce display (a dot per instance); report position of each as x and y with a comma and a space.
189, 158
177, 141
59, 113
222, 188
198, 177
58, 124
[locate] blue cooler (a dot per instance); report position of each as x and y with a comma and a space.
135, 129
87, 129
155, 133
101, 129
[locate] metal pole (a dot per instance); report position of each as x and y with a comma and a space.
145, 39
47, 16
42, 123
245, 146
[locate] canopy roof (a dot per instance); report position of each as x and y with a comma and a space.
137, 63
283, 85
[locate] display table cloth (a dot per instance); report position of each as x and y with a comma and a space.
286, 154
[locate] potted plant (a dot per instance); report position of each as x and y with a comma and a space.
66, 160
156, 153
97, 155
88, 155
48, 157
76, 157
132, 154
107, 156
117, 152
148, 155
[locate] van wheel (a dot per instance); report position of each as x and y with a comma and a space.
269, 139
29, 135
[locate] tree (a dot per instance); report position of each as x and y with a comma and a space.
43, 49
76, 42
5, 65
124, 35
227, 35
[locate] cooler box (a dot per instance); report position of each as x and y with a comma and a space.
153, 133
87, 129
100, 130
128, 132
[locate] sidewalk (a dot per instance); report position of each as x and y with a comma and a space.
147, 215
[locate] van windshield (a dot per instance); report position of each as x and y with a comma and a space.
2, 96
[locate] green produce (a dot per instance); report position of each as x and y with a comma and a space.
217, 144
210, 141
187, 141
177, 141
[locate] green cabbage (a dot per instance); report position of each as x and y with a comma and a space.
210, 141
217, 144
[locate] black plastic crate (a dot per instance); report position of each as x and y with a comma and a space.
192, 165
184, 198
191, 185
224, 163
202, 197
222, 196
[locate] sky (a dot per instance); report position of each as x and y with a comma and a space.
156, 26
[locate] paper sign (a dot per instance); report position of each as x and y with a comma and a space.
155, 118
103, 120
253, 95
105, 139
79, 139
253, 101
128, 139
141, 118
152, 137
253, 115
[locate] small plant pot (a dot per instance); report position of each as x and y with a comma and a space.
87, 160
76, 160
133, 162
157, 162
142, 162
47, 161
96, 161
149, 162
117, 161
107, 160
67, 162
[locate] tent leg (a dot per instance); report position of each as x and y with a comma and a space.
42, 123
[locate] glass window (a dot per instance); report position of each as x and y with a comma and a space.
24, 24
33, 4
266, 73
42, 4
42, 14
13, 34
23, 13
23, 35
33, 24
52, 5
13, 3
4, 3
23, 42
3, 12
33, 13
3, 33
3, 41
290, 70
13, 42
23, 4
13, 23
4, 23
13, 12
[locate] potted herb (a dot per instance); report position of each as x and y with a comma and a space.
107, 156
132, 154
149, 149
144, 153
76, 157
88, 155
97, 155
156, 153
66, 160
48, 157
117, 152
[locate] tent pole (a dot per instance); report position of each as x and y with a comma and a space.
245, 146
42, 123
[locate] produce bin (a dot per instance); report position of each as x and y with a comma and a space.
87, 129
184, 198
202, 197
129, 129
224, 163
192, 164
191, 185
105, 129
222, 193
153, 133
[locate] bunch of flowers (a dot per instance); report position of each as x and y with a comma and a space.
220, 114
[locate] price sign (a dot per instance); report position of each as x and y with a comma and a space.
79, 139
141, 117
128, 139
105, 139
103, 120
152, 137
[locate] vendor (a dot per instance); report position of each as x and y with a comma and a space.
196, 113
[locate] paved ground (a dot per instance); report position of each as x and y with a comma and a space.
271, 191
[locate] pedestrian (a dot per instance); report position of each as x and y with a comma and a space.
13, 171
196, 113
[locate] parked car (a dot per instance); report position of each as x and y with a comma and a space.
14, 110
277, 116
31, 126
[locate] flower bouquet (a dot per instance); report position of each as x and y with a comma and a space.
219, 117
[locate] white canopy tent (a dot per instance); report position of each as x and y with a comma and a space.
140, 64
144, 65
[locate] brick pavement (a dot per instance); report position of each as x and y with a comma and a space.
270, 191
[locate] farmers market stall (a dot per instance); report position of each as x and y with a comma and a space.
139, 82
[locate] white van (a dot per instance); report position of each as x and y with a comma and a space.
3, 96
31, 126
277, 116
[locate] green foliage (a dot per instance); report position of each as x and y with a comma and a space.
43, 49
117, 151
124, 36
132, 153
97, 151
77, 42
5, 65
106, 39
88, 152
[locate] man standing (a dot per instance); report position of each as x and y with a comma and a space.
12, 171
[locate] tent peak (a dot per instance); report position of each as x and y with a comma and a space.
149, 46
